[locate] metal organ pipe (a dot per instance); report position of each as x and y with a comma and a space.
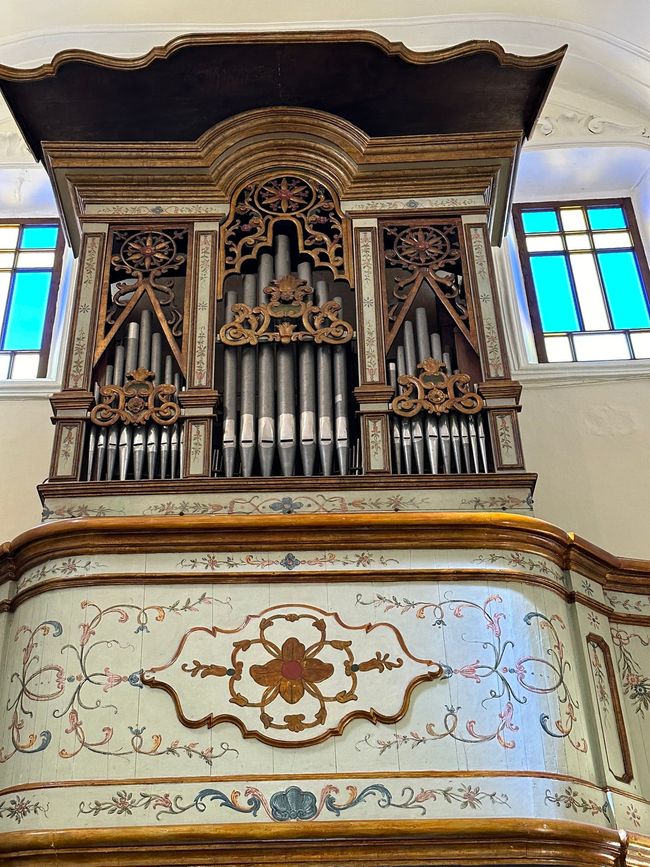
248, 388
417, 428
266, 369
341, 432
325, 403
285, 376
290, 396
124, 450
153, 438
307, 391
405, 424
229, 397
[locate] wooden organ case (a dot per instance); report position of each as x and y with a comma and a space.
288, 603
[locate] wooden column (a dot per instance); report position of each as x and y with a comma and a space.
200, 398
500, 392
71, 405
372, 393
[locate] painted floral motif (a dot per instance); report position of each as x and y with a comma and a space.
633, 815
539, 675
636, 685
516, 560
18, 808
587, 589
79, 510
502, 504
395, 501
65, 568
367, 268
627, 603
600, 678
504, 431
295, 804
357, 560
571, 799
80, 684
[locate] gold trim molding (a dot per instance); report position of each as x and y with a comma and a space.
473, 842
79, 536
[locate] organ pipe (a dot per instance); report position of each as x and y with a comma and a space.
284, 397
123, 450
449, 442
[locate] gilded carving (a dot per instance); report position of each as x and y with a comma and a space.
289, 299
304, 202
138, 402
435, 391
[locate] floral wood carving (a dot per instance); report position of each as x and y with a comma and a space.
144, 256
289, 298
138, 402
436, 392
426, 252
296, 675
305, 203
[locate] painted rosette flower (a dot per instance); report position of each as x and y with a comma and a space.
293, 671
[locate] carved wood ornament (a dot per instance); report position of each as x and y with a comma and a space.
145, 255
288, 299
138, 402
426, 251
436, 392
306, 203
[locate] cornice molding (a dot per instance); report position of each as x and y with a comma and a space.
410, 529
473, 841
392, 49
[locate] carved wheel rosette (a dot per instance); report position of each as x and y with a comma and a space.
435, 391
138, 402
428, 254
304, 202
289, 299
147, 255
296, 675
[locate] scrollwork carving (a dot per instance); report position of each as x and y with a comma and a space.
435, 391
305, 203
138, 402
289, 299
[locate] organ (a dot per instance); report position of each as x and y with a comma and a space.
289, 602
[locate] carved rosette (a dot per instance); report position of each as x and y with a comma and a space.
137, 403
291, 676
425, 253
435, 391
289, 299
306, 203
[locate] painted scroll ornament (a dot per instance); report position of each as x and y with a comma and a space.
291, 676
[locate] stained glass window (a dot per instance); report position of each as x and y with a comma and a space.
30, 267
586, 279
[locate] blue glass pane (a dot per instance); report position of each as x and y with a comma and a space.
39, 238
624, 289
540, 221
606, 218
554, 296
27, 312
